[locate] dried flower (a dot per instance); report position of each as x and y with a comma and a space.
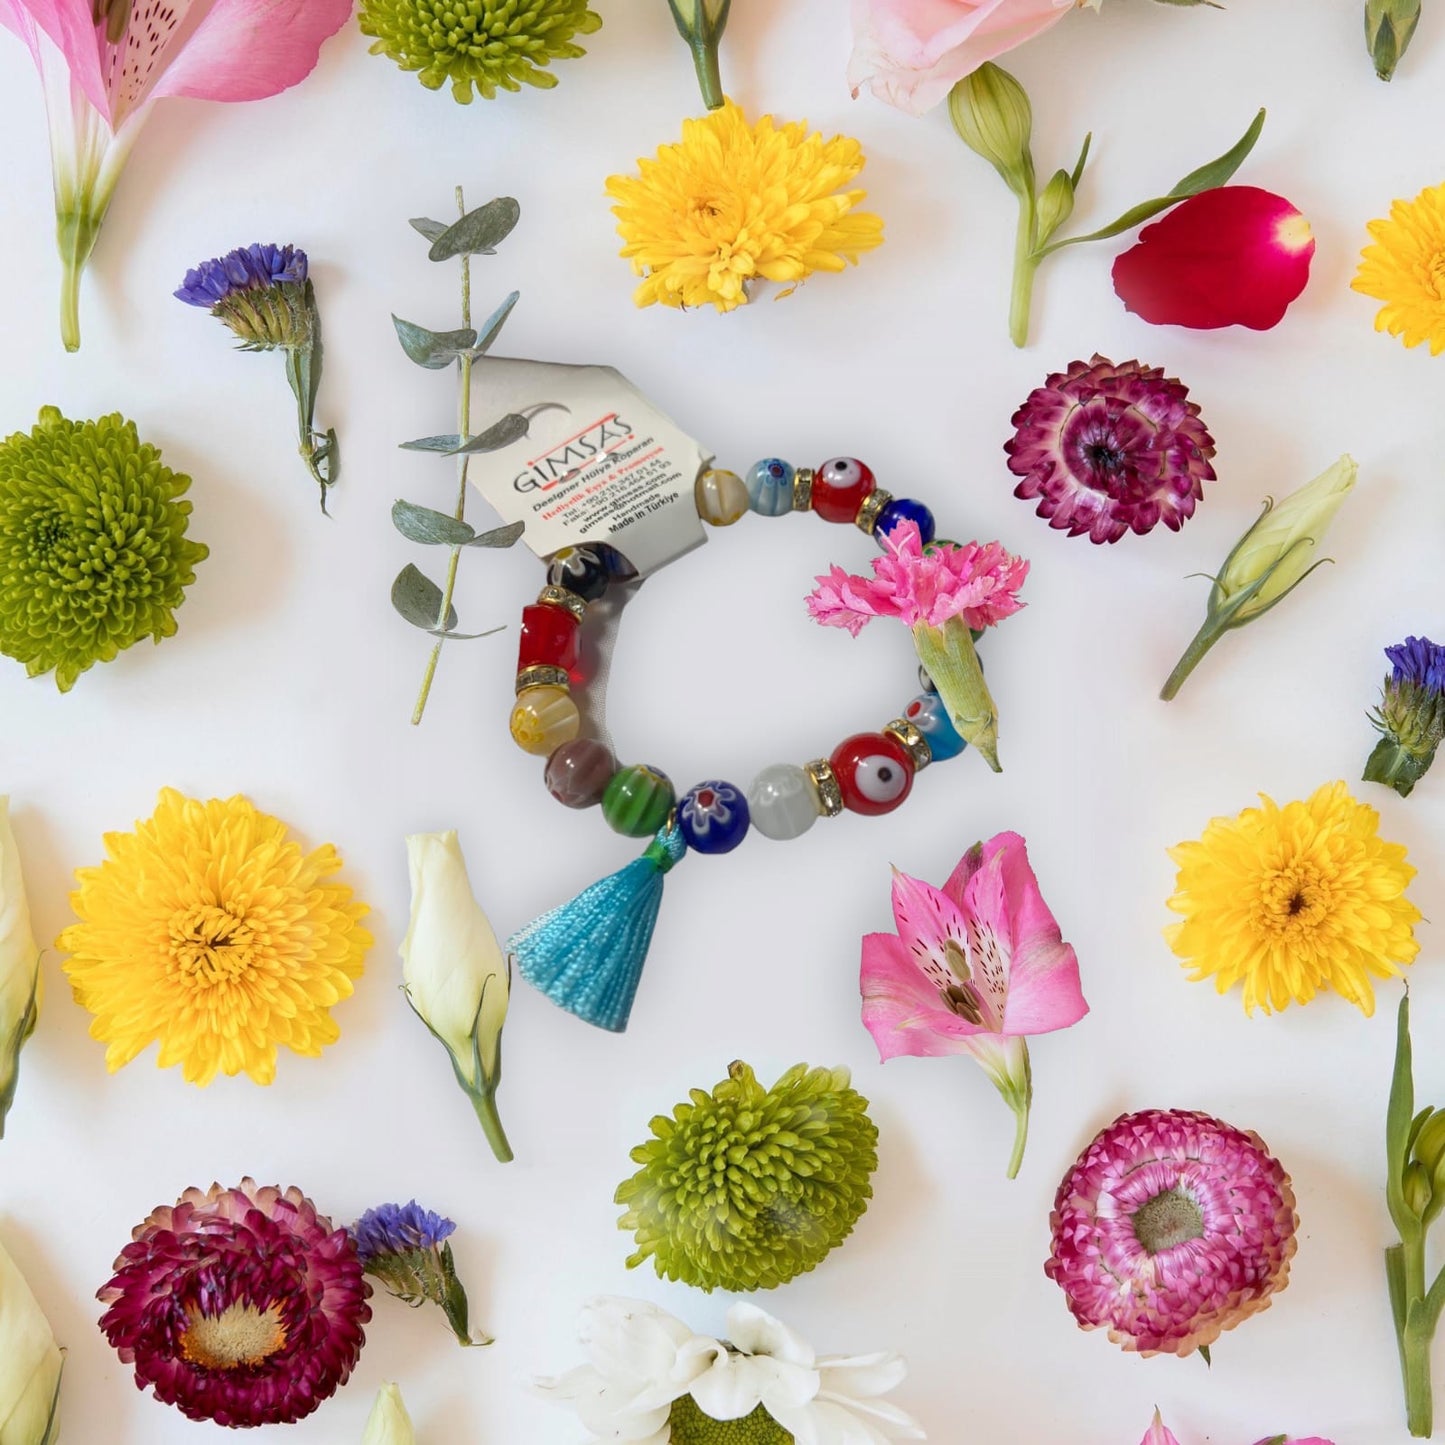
1268, 562
489, 44
21, 985
93, 549
405, 1247
210, 932
943, 594
31, 1364
652, 1381
1389, 28
1411, 715
800, 1157
243, 1306
1292, 900
1233, 256
975, 967
731, 204
1108, 449
389, 1423
1171, 1228
1400, 269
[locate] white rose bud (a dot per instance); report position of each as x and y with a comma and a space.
389, 1423
30, 1364
20, 983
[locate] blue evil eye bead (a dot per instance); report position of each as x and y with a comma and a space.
905, 509
713, 817
770, 487
928, 714
581, 570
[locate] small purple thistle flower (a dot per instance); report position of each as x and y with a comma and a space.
251, 268
398, 1228
1410, 717
1418, 660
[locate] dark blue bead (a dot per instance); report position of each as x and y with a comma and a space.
713, 817
905, 509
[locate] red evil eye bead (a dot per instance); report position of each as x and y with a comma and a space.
549, 638
840, 487
874, 772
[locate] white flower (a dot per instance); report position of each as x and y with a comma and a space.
30, 1364
20, 982
389, 1423
455, 975
643, 1362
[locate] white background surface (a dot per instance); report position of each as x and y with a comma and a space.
292, 680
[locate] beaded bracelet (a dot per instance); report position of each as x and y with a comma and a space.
867, 773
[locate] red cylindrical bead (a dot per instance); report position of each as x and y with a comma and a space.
840, 486
874, 772
549, 638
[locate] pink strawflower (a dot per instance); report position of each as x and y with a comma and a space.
977, 583
1108, 449
975, 967
1171, 1228
1232, 256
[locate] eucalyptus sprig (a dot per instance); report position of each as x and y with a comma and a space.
420, 600
992, 115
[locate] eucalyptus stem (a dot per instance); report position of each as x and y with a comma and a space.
464, 430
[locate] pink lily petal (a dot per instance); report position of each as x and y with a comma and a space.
1159, 1433
70, 28
944, 945
902, 1009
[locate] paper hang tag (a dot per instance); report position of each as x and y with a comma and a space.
599, 462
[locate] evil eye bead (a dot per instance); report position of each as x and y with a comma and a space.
713, 817
841, 486
582, 571
905, 509
928, 714
874, 772
770, 487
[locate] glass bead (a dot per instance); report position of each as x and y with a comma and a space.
713, 817
549, 638
722, 497
905, 509
874, 772
924, 681
578, 772
928, 714
840, 487
637, 801
582, 570
770, 487
781, 802
543, 719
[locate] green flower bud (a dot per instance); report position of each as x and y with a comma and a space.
992, 115
389, 1423
1430, 1141
1389, 28
1417, 1188
1056, 204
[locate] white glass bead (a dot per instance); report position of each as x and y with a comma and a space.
781, 802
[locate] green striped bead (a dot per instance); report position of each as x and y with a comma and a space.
638, 800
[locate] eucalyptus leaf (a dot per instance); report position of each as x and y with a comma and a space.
493, 325
431, 528
500, 434
432, 230
446, 444
499, 536
434, 350
463, 636
479, 232
419, 599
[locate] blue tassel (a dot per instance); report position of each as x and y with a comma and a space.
588, 954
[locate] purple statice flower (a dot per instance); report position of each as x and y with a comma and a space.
1411, 715
1107, 450
250, 269
397, 1228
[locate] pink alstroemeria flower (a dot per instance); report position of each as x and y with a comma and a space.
975, 967
1159, 1433
103, 65
944, 594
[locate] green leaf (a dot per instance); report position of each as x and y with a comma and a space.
1398, 1117
479, 232
494, 324
432, 230
1077, 174
500, 434
434, 350
431, 528
499, 536
419, 599
446, 444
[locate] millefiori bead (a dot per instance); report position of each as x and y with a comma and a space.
770, 487
581, 570
638, 800
543, 719
713, 817
928, 714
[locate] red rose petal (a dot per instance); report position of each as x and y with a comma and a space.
1235, 256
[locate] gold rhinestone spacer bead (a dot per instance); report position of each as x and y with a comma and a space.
543, 675
913, 742
803, 489
560, 597
825, 787
870, 509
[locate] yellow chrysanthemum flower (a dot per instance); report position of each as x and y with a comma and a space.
732, 202
1293, 900
210, 932
1405, 268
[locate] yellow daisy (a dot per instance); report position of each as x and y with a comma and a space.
1292, 900
731, 203
1405, 268
209, 932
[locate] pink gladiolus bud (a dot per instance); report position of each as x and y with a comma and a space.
1233, 256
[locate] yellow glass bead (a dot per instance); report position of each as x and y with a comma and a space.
722, 497
543, 719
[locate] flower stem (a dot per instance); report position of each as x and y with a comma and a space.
464, 430
1026, 265
1021, 1137
484, 1101
1204, 639
709, 76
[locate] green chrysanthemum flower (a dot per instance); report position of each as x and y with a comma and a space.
93, 548
746, 1187
486, 43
